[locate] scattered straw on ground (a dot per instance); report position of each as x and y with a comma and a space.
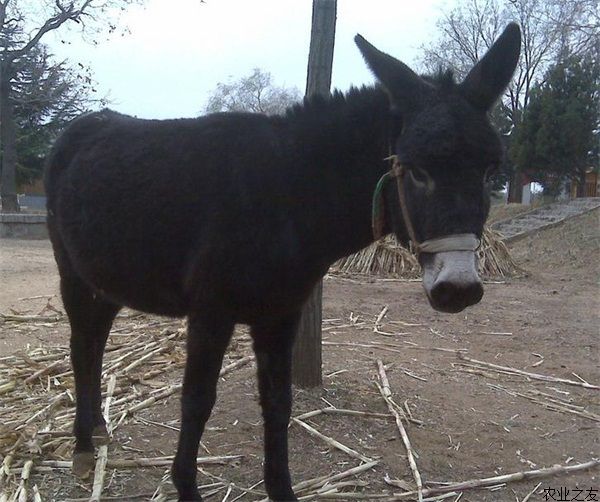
36, 387
37, 392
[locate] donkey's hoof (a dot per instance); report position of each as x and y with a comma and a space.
100, 436
287, 496
191, 498
83, 463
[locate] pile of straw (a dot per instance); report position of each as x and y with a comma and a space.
384, 258
387, 258
494, 257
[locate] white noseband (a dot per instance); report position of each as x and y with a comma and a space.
456, 242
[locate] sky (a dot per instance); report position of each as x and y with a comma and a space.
173, 57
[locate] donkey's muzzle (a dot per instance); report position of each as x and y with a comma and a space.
451, 280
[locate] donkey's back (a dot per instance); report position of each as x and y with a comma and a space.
136, 205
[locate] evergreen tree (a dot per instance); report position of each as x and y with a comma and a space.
557, 141
47, 95
23, 24
468, 29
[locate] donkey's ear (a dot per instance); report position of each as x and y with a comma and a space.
490, 76
403, 84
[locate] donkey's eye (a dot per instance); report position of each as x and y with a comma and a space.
420, 177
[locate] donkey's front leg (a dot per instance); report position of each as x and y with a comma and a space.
207, 341
273, 344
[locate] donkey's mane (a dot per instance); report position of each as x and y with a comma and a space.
362, 97
355, 98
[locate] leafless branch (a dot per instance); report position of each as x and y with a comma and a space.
547, 27
64, 14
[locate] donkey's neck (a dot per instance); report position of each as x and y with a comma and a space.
343, 142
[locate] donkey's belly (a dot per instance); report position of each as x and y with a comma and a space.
128, 268
151, 292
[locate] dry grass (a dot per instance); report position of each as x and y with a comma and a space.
384, 258
387, 258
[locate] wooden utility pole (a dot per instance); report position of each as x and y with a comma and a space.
306, 365
515, 188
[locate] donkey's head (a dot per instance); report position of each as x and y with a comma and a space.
446, 149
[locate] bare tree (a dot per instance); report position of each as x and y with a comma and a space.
580, 30
23, 24
252, 93
548, 27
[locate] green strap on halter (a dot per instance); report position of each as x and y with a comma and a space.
378, 208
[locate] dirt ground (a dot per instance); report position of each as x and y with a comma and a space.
475, 422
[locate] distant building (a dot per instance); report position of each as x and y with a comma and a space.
591, 187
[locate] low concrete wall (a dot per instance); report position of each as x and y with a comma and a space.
33, 203
23, 226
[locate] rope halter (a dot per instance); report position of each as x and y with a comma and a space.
454, 242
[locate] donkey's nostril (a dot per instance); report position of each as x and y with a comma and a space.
442, 293
451, 280
454, 297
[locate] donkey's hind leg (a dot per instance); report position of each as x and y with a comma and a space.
91, 318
